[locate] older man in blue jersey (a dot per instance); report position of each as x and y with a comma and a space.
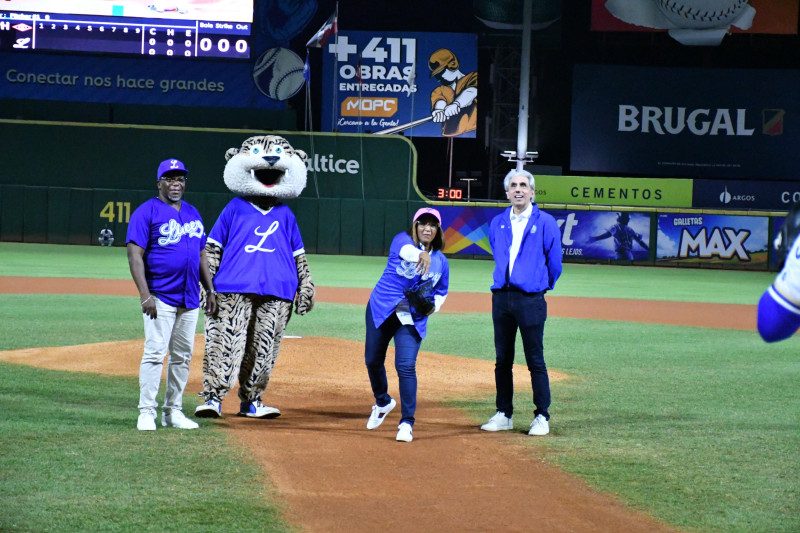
166, 241
526, 244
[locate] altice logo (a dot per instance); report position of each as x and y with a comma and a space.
725, 197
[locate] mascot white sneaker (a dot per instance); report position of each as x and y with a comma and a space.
259, 266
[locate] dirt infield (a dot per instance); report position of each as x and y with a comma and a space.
334, 475
729, 316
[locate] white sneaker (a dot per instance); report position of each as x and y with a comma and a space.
147, 421
539, 426
499, 422
175, 418
379, 413
210, 409
404, 432
257, 409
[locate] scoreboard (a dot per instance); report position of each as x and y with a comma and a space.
133, 36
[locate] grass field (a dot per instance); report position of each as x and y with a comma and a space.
698, 427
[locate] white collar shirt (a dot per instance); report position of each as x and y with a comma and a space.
518, 223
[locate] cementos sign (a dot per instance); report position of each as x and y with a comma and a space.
704, 123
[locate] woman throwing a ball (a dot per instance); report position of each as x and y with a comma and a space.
413, 286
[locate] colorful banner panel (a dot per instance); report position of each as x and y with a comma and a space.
604, 235
596, 235
466, 229
388, 82
699, 123
739, 241
768, 16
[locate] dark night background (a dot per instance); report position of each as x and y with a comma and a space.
555, 50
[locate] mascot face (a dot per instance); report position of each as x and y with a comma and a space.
266, 165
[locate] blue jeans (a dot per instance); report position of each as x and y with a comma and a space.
526, 312
406, 347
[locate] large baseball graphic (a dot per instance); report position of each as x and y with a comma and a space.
278, 73
701, 13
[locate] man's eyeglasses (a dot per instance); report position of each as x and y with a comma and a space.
174, 179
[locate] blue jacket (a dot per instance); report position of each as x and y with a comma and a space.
538, 263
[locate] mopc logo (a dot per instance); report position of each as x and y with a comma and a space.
376, 106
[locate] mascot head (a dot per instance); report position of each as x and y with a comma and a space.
266, 166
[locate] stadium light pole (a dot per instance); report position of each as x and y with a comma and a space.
524, 85
522, 156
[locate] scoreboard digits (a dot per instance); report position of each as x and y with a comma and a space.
149, 37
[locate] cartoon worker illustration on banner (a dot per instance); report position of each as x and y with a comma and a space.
455, 103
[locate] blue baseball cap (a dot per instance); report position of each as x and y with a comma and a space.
169, 165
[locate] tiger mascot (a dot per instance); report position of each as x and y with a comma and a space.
259, 267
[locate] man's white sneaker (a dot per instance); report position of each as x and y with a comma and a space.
499, 422
147, 421
257, 409
404, 432
176, 419
210, 409
379, 413
539, 426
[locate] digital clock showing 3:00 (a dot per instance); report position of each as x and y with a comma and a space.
449, 194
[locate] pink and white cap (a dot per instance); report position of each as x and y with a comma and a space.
428, 211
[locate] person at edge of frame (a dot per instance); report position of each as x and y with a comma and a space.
166, 256
779, 306
415, 262
526, 244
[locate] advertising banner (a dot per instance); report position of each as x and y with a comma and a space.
388, 82
739, 241
466, 229
777, 224
594, 190
700, 123
187, 54
604, 235
147, 81
745, 194
598, 235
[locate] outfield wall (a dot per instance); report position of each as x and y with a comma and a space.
63, 183
61, 215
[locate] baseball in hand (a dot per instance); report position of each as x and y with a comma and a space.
701, 14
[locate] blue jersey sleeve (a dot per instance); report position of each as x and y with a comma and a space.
443, 284
139, 226
296, 238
